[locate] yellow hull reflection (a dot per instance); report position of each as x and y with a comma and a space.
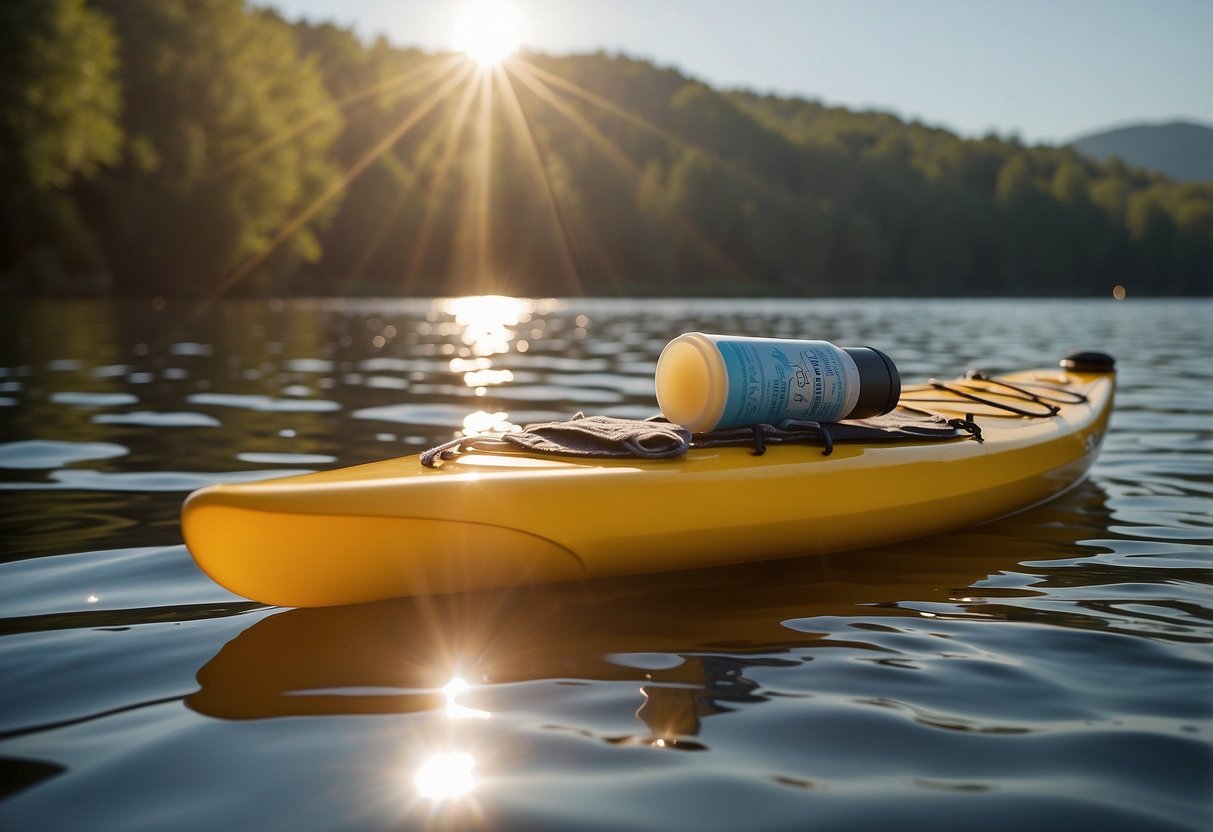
660, 631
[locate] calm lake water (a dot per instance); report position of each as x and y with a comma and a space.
1047, 671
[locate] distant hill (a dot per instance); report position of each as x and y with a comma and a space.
1181, 150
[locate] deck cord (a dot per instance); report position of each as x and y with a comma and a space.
656, 438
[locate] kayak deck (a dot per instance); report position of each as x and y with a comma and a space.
395, 528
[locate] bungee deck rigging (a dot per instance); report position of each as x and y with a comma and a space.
655, 438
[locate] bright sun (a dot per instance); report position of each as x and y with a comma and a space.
489, 31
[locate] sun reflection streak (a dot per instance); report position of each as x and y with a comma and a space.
487, 321
454, 710
446, 775
486, 326
487, 378
482, 421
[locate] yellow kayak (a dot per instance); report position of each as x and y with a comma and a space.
492, 519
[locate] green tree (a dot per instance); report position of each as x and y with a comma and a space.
228, 134
1071, 184
59, 109
1193, 213
1015, 183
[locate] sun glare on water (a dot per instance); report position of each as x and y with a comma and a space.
489, 31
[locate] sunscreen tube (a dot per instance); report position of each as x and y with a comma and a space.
706, 382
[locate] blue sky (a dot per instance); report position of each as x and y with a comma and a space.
1045, 70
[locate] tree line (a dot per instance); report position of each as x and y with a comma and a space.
203, 147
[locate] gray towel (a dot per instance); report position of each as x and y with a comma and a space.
583, 436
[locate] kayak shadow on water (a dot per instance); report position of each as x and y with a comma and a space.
686, 637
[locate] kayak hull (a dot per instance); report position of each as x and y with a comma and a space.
396, 528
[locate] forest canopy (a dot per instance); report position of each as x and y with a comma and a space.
204, 147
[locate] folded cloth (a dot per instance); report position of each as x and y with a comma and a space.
584, 436
605, 436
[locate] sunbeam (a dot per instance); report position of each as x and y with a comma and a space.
448, 143
672, 138
616, 156
399, 84
421, 242
482, 194
557, 222
304, 216
703, 242
575, 240
585, 236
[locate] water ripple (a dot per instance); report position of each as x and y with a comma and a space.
46, 454
176, 481
85, 399
264, 403
153, 419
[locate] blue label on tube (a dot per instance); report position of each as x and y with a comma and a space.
770, 381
